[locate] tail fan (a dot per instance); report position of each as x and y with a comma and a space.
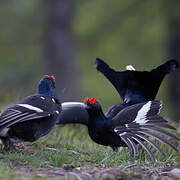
146, 124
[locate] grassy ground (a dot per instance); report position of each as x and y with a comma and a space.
68, 153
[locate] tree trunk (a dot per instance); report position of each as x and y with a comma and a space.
59, 47
174, 52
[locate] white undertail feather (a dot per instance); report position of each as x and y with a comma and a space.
141, 115
130, 68
31, 107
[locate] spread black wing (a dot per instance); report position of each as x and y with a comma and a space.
14, 116
136, 86
137, 123
31, 108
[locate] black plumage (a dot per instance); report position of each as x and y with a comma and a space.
135, 86
32, 117
131, 126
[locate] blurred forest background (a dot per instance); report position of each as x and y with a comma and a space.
63, 37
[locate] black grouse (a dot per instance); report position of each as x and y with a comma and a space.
135, 86
32, 117
131, 126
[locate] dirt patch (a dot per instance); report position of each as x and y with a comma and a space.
88, 173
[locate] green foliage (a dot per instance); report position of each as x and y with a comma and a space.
20, 40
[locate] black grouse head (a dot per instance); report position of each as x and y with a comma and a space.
50, 80
46, 84
92, 106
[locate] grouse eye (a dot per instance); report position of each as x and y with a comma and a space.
86, 100
93, 100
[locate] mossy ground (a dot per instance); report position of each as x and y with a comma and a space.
69, 153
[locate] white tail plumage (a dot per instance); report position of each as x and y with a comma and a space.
141, 115
130, 68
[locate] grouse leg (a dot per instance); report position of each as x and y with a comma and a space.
8, 144
115, 148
